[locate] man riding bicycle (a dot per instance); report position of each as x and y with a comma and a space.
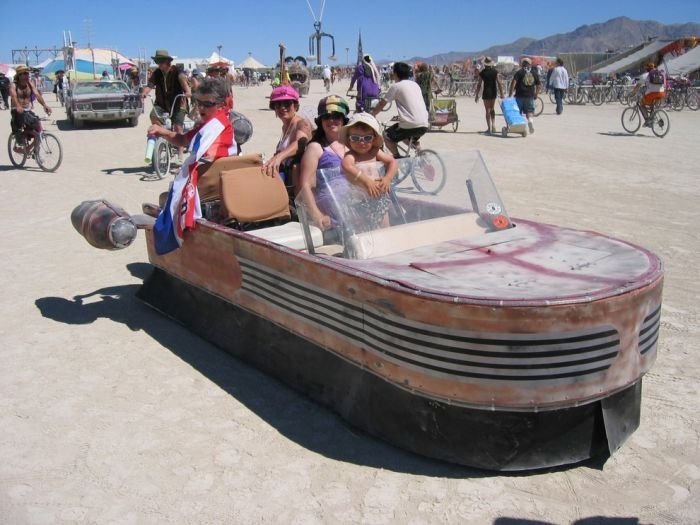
23, 93
413, 115
654, 83
169, 82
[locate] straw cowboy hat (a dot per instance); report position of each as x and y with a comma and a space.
161, 54
21, 69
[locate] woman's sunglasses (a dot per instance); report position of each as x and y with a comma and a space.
367, 139
283, 104
206, 103
332, 116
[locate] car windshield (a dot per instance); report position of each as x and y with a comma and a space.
97, 88
438, 198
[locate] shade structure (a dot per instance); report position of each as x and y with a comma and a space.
630, 61
84, 58
683, 64
251, 63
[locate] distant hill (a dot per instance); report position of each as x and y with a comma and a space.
614, 35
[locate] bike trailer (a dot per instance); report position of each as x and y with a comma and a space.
444, 112
515, 122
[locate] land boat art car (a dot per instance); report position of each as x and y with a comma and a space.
102, 101
435, 322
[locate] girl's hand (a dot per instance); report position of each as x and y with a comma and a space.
321, 221
370, 186
384, 185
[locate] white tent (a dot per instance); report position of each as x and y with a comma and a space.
216, 57
251, 63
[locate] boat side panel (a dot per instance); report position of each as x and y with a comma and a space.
501, 357
494, 440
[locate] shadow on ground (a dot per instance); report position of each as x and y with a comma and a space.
293, 415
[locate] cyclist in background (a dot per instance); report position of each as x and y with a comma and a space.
413, 115
23, 93
169, 82
654, 82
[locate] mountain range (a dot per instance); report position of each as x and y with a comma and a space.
614, 35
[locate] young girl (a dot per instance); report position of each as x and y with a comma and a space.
364, 141
362, 137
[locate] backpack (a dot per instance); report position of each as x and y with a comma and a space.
528, 79
656, 77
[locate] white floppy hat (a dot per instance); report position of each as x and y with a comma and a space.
359, 118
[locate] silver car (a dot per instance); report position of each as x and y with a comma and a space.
100, 100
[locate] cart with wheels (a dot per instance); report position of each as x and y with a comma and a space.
444, 113
515, 122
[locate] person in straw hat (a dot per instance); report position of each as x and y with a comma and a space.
169, 82
23, 93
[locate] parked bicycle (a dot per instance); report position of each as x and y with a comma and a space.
658, 120
35, 143
680, 93
424, 166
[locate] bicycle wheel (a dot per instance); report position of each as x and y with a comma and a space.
692, 100
403, 171
539, 106
553, 99
17, 153
631, 120
660, 124
161, 158
597, 97
48, 152
676, 101
428, 172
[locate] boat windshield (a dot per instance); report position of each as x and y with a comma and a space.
437, 198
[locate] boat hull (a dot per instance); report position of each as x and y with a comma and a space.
513, 385
488, 439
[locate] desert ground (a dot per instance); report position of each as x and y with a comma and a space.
113, 414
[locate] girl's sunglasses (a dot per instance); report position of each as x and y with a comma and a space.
367, 139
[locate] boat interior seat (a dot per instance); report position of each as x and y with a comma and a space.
291, 235
251, 199
209, 183
395, 239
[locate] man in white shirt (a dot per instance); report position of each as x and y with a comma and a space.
559, 82
327, 77
413, 115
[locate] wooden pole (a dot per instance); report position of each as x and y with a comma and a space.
283, 68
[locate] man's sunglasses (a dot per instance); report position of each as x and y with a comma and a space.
206, 103
367, 139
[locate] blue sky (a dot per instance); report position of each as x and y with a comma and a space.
391, 29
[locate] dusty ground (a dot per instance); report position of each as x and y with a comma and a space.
111, 413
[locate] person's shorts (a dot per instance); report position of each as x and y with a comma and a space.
526, 105
159, 113
652, 98
397, 134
